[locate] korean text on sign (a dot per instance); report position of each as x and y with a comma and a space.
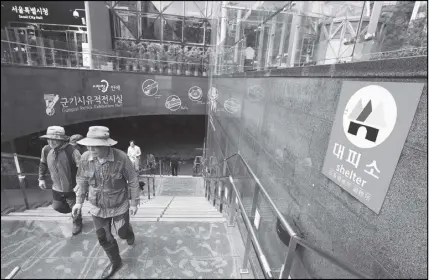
90, 100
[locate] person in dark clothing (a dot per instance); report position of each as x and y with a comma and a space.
174, 164
61, 160
73, 141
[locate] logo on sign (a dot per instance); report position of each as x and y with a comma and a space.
150, 87
195, 93
231, 105
173, 103
50, 101
369, 117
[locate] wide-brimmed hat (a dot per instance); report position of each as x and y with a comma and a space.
74, 138
55, 133
97, 136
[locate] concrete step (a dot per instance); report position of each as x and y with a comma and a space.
191, 210
68, 219
194, 219
84, 210
205, 207
54, 214
192, 215
84, 213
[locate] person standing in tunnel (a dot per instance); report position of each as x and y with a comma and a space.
174, 164
134, 154
151, 162
111, 180
62, 161
73, 141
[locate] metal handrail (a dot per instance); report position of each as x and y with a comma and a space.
254, 238
294, 237
328, 256
103, 55
272, 204
9, 155
22, 175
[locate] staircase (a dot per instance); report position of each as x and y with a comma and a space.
187, 204
158, 209
177, 236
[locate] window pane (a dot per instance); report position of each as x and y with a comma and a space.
195, 8
172, 28
210, 8
150, 6
337, 31
175, 8
194, 31
208, 33
151, 26
125, 24
131, 5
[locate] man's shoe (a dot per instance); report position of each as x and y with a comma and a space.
111, 269
77, 224
130, 238
112, 252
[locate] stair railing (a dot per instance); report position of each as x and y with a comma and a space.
18, 171
149, 179
210, 174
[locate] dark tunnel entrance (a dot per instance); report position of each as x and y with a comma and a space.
160, 135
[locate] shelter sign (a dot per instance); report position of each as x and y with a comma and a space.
367, 137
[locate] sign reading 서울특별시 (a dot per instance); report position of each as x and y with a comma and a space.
367, 137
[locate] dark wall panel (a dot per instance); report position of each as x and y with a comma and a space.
24, 92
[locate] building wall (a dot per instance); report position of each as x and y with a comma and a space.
101, 31
25, 102
283, 133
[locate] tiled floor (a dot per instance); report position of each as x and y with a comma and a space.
161, 250
182, 186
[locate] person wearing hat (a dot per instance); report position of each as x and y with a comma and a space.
62, 161
109, 176
73, 141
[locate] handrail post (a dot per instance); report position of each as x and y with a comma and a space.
232, 210
214, 193
254, 201
22, 181
285, 271
148, 188
153, 186
247, 251
222, 194
209, 189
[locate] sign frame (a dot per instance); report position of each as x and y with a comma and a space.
366, 171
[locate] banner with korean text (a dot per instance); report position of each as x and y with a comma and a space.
367, 137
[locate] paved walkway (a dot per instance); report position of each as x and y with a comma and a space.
162, 250
191, 250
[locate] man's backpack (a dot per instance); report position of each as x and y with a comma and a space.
69, 149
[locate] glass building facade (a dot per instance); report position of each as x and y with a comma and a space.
187, 23
261, 35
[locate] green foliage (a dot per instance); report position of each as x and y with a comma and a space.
417, 35
396, 26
